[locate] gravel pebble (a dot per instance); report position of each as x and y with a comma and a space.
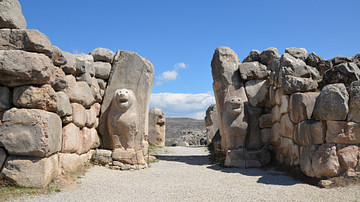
185, 174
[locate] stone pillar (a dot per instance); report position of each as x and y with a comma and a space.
156, 127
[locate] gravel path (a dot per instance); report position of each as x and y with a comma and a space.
184, 174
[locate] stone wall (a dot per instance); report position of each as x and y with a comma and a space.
51, 102
303, 108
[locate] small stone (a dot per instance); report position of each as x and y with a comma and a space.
325, 183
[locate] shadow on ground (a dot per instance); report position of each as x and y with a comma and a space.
268, 176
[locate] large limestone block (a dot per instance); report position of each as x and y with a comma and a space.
43, 97
253, 71
269, 54
86, 140
243, 158
31, 132
4, 98
128, 157
301, 106
342, 73
69, 67
306, 156
349, 158
325, 162
95, 139
257, 92
354, 102
133, 72
286, 127
78, 92
310, 132
299, 53
102, 70
156, 127
70, 138
95, 90
59, 81
28, 40
332, 103
71, 163
313, 60
288, 152
293, 84
211, 122
84, 64
79, 115
90, 117
11, 15
230, 97
31, 171
22, 68
102, 157
253, 56
103, 54
342, 132
296, 67
253, 137
265, 121
64, 106
3, 156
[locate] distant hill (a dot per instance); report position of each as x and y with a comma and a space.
175, 125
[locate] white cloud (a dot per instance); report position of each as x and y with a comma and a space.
183, 105
180, 65
168, 75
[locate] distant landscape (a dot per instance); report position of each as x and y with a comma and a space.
175, 125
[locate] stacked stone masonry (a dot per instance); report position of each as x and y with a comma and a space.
51, 103
303, 108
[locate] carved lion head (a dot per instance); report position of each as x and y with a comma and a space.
124, 98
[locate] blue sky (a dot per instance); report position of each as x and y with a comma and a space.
180, 36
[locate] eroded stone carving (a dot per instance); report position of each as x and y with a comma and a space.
156, 127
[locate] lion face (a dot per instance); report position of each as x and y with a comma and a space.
233, 104
123, 98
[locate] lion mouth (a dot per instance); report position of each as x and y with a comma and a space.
123, 101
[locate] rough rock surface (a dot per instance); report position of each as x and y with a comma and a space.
128, 157
313, 60
286, 127
103, 54
131, 71
79, 92
84, 64
3, 157
306, 157
253, 71
70, 138
342, 73
31, 171
269, 54
23, 68
102, 70
309, 132
265, 121
30, 132
293, 84
325, 162
257, 92
43, 97
64, 106
342, 132
354, 102
302, 106
288, 152
156, 127
79, 115
253, 56
11, 15
332, 103
299, 53
71, 163
211, 122
4, 98
102, 157
243, 158
349, 158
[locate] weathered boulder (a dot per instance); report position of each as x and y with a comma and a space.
340, 59
95, 90
103, 54
70, 138
313, 60
269, 54
354, 102
78, 92
30, 132
91, 115
11, 15
102, 157
299, 53
4, 98
349, 158
293, 84
43, 97
332, 103
243, 158
128, 157
211, 122
69, 67
310, 132
133, 72
301, 106
85, 140
257, 92
86, 77
325, 162
342, 132
265, 121
79, 115
95, 140
3, 156
22, 68
57, 56
59, 81
102, 70
253, 71
286, 127
323, 66
298, 67
253, 56
72, 163
84, 64
31, 171
64, 106
156, 127
306, 157
342, 73
288, 152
